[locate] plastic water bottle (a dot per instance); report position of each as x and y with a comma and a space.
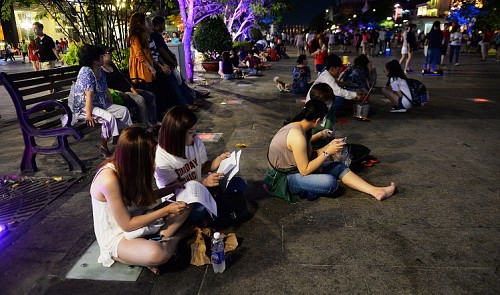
218, 259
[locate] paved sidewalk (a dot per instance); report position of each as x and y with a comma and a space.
438, 235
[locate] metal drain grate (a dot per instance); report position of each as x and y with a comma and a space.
21, 199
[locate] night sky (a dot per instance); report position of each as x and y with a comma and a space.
305, 11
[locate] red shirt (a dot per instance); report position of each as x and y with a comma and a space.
319, 59
488, 36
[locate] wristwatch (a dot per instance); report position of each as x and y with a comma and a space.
326, 154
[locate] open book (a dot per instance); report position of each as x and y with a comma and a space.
229, 166
195, 192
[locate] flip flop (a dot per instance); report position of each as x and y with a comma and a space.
367, 163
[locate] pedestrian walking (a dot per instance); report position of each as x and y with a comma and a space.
46, 48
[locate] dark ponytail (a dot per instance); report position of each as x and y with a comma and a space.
312, 110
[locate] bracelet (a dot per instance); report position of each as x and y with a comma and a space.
326, 154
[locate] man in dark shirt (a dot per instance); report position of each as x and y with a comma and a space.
168, 64
46, 48
434, 41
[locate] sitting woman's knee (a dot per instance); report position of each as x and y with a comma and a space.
158, 253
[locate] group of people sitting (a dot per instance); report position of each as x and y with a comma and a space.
296, 169
103, 95
124, 202
235, 65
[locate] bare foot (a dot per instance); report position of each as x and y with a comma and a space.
155, 270
384, 192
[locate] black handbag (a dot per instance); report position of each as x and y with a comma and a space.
232, 209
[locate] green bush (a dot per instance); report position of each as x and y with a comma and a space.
70, 58
256, 34
242, 44
121, 59
211, 37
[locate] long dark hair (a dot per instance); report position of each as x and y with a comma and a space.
138, 29
174, 126
394, 70
312, 110
134, 161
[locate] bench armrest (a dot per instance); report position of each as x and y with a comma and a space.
66, 128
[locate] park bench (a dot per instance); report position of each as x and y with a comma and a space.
41, 100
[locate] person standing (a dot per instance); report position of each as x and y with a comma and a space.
381, 41
24, 50
434, 41
8, 52
455, 43
485, 42
35, 60
444, 43
46, 48
299, 43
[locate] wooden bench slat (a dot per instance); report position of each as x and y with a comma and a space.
61, 96
47, 87
29, 75
41, 116
46, 79
50, 125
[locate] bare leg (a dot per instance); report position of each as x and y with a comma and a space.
104, 148
408, 60
146, 253
391, 95
403, 56
153, 253
355, 182
173, 223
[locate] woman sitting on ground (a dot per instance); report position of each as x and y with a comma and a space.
181, 156
313, 173
226, 70
121, 188
301, 77
357, 76
397, 90
92, 100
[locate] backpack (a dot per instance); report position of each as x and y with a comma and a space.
419, 94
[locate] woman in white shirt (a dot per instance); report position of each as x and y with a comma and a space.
181, 156
397, 90
456, 42
122, 187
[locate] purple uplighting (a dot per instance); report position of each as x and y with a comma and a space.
3, 230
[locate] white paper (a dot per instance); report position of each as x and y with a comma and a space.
195, 192
229, 166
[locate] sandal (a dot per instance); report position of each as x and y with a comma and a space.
373, 159
367, 163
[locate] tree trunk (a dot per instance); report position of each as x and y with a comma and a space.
188, 33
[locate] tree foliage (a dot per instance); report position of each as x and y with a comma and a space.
212, 37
